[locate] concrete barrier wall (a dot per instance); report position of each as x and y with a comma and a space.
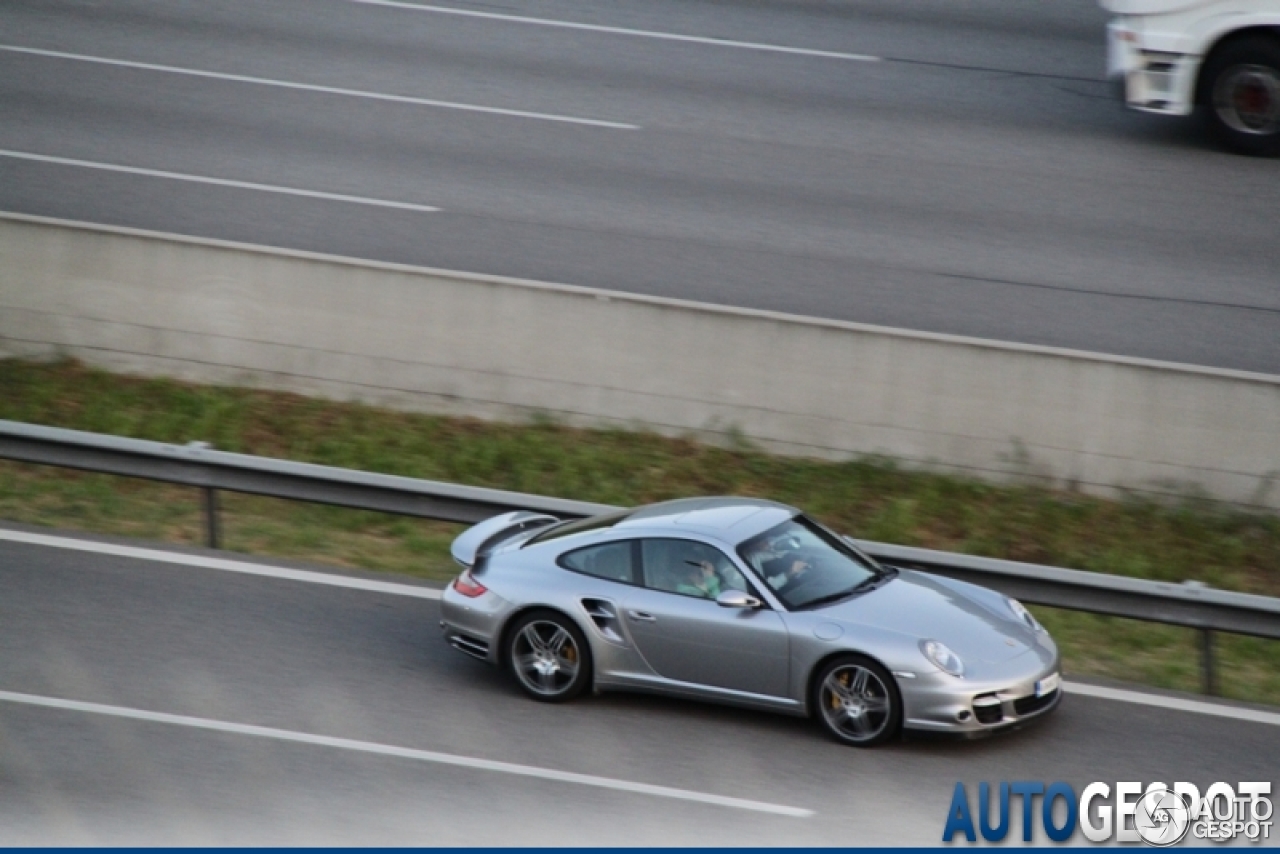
445, 342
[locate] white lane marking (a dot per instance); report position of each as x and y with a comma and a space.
225, 564
408, 753
219, 182
1197, 706
161, 556
307, 87
622, 31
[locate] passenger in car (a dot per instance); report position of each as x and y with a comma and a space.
700, 580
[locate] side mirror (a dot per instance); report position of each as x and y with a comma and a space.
738, 599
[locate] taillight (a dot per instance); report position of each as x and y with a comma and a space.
468, 586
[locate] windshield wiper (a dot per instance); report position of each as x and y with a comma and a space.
869, 583
832, 597
873, 581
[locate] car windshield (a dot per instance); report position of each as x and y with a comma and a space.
806, 565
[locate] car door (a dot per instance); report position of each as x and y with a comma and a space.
686, 636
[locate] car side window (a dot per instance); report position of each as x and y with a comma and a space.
689, 568
610, 561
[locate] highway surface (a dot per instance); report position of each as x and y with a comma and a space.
914, 163
134, 693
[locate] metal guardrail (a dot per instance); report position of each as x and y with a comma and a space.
198, 465
1191, 605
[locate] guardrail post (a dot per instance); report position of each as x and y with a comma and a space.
211, 533
211, 517
1208, 671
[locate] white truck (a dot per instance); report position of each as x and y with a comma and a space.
1220, 56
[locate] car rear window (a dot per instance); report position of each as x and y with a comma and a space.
610, 561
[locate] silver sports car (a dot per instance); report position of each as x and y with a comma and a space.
747, 602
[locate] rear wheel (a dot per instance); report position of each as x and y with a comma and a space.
857, 701
548, 656
1242, 90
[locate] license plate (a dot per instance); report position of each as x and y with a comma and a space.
1048, 684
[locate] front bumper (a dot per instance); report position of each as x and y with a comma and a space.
1018, 692
1153, 81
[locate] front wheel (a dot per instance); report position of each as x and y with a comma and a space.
548, 656
857, 701
1242, 90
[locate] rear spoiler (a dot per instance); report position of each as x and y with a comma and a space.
478, 540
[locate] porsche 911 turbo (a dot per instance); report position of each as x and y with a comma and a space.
746, 602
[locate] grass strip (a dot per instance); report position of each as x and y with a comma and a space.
869, 498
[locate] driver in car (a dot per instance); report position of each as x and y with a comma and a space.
778, 570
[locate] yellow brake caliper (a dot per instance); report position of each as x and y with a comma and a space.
843, 679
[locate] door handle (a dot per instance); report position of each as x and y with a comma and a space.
642, 616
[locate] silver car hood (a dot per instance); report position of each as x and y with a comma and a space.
973, 621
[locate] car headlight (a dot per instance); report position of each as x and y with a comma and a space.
1020, 611
942, 656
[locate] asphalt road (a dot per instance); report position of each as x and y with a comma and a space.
371, 667
976, 179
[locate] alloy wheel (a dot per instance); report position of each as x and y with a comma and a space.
546, 659
856, 704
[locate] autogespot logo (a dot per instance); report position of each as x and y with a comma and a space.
1158, 814
1162, 817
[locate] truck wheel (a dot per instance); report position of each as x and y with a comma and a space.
1242, 89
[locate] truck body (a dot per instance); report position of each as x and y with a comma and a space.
1222, 56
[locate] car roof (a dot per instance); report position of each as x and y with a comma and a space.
726, 518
